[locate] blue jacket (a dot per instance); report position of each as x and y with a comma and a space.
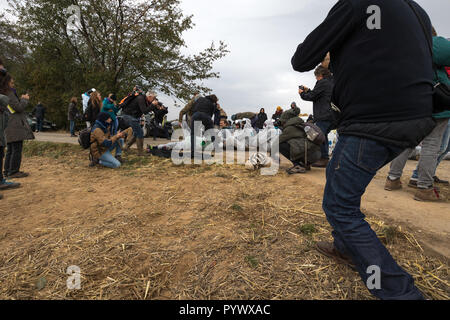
110, 108
441, 59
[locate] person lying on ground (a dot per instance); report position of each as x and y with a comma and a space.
294, 143
103, 144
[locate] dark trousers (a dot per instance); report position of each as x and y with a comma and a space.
2, 155
39, 124
204, 119
354, 164
13, 158
325, 126
285, 150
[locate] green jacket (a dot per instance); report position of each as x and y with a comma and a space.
441, 59
110, 108
294, 134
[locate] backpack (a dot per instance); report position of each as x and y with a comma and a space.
314, 134
84, 138
126, 101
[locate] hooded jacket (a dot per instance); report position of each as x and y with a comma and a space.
294, 134
383, 76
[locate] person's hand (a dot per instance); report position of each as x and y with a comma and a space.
26, 96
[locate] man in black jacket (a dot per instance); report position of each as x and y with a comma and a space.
138, 105
203, 111
323, 116
383, 76
39, 113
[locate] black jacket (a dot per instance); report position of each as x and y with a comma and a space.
39, 111
138, 107
159, 115
92, 112
383, 77
321, 98
205, 105
262, 118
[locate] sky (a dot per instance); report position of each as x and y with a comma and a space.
262, 36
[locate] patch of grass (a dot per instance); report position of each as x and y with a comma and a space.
237, 207
308, 229
50, 149
388, 234
252, 261
136, 162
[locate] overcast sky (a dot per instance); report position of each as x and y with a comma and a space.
262, 36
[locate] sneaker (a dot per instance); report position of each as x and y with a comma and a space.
439, 181
428, 195
392, 185
328, 249
412, 184
18, 175
322, 163
5, 185
296, 169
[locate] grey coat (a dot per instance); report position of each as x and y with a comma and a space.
17, 128
4, 101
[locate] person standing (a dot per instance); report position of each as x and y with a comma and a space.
277, 115
17, 128
39, 113
85, 97
94, 107
262, 118
4, 184
322, 114
72, 115
382, 114
424, 176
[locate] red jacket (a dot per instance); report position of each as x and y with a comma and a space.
448, 71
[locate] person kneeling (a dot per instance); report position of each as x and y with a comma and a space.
103, 144
294, 143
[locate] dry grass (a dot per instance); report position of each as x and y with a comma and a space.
155, 231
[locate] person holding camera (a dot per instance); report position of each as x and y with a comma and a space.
323, 116
382, 114
103, 143
17, 128
158, 120
137, 105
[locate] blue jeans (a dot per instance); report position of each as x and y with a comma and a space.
135, 124
325, 126
72, 127
39, 124
352, 167
108, 160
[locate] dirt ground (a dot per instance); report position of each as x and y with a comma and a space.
152, 230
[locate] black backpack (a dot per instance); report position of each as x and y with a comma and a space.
84, 138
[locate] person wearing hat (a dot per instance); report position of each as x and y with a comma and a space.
277, 114
103, 143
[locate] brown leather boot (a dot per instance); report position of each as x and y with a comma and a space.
140, 146
328, 249
322, 163
429, 195
392, 185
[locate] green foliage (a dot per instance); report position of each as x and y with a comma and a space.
119, 43
308, 229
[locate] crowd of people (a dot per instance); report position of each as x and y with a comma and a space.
380, 117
